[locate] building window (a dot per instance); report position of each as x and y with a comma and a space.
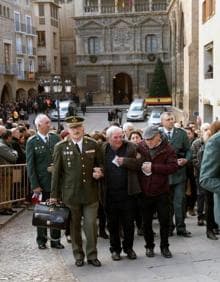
41, 10
54, 40
42, 63
92, 83
31, 66
0, 10
7, 57
41, 39
208, 9
28, 24
17, 21
91, 6
53, 12
8, 13
30, 46
151, 44
55, 64
93, 45
208, 61
20, 68
18, 45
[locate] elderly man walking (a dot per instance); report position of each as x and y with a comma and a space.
74, 183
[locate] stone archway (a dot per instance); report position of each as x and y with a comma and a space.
32, 93
122, 89
21, 95
6, 95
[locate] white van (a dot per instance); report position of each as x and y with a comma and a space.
137, 111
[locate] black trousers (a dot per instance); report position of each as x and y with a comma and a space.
42, 232
210, 219
121, 214
160, 204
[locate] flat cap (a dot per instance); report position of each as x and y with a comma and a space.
150, 131
74, 121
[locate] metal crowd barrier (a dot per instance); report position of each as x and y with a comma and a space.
14, 184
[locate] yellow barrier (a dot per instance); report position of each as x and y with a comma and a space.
14, 184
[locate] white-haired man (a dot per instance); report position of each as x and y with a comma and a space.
121, 184
39, 151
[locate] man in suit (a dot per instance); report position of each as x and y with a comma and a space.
177, 137
39, 151
74, 182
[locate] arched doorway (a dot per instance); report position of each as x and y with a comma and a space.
122, 89
6, 95
21, 94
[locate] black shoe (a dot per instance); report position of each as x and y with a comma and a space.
150, 252
211, 235
170, 232
68, 239
165, 252
94, 262
131, 254
103, 235
79, 262
42, 246
216, 231
200, 222
57, 246
116, 256
184, 233
140, 232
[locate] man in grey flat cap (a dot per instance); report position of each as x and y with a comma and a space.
157, 161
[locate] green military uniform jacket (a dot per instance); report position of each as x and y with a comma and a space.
72, 180
181, 145
39, 157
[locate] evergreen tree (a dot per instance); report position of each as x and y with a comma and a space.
159, 87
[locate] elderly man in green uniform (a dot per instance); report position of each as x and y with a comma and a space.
74, 182
39, 151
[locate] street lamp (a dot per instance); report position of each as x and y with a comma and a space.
56, 86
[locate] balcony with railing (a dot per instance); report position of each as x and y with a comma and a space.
24, 28
126, 6
9, 69
21, 50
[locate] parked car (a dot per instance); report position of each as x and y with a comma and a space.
137, 111
154, 118
64, 107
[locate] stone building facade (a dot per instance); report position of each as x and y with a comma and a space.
117, 46
17, 51
209, 60
184, 36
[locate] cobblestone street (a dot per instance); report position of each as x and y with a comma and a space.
195, 259
21, 260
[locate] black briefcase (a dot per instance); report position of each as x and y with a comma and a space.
51, 215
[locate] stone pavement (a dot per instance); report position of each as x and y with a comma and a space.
195, 259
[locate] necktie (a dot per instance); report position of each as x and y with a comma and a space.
169, 135
77, 147
46, 140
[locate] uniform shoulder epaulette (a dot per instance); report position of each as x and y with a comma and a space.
90, 139
32, 137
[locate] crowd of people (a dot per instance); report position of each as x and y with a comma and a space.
122, 175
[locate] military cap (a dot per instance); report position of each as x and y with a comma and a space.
74, 121
150, 131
